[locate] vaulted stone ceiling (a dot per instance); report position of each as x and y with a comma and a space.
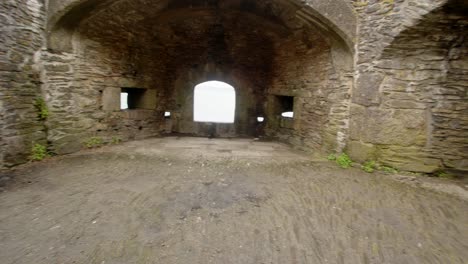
176, 35
65, 16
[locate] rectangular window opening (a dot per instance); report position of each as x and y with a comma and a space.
132, 98
285, 106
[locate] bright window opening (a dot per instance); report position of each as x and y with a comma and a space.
260, 119
285, 106
132, 98
123, 101
214, 102
167, 114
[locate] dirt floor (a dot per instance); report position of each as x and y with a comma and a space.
194, 200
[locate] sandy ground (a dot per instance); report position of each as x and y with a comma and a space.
193, 200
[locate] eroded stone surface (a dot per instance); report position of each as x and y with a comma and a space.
415, 65
22, 35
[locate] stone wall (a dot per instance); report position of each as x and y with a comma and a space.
159, 54
113, 47
409, 107
22, 37
217, 48
318, 74
83, 92
398, 98
166, 62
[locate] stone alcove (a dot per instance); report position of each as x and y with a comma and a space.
263, 48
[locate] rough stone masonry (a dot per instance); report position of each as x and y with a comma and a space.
382, 80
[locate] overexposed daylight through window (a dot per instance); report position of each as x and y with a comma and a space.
214, 102
288, 114
123, 101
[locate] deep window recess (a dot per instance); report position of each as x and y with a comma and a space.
132, 98
214, 102
285, 106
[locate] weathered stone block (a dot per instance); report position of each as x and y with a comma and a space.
404, 104
286, 122
148, 101
408, 159
367, 89
57, 68
137, 114
111, 99
68, 144
361, 152
388, 126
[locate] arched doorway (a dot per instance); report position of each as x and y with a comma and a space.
214, 102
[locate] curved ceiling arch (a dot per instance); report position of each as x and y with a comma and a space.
334, 18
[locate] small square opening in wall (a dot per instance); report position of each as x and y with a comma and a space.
167, 114
132, 98
285, 106
260, 119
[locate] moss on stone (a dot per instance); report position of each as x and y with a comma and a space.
38, 152
94, 142
344, 161
41, 107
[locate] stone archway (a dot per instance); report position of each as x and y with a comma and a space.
335, 18
264, 48
410, 108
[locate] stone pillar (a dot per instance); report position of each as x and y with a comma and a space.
22, 31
